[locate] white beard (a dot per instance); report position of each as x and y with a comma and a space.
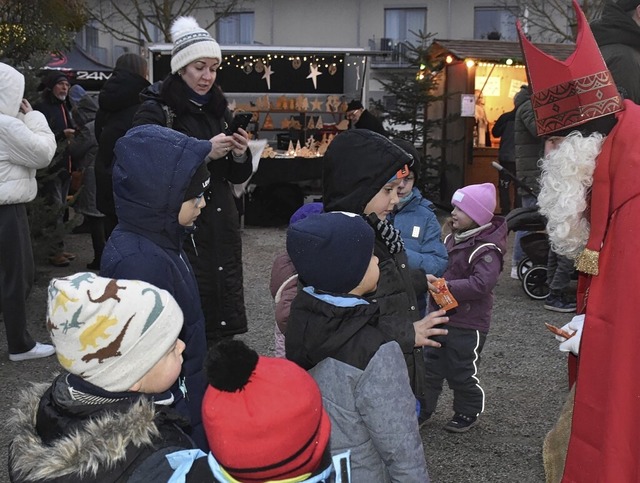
567, 175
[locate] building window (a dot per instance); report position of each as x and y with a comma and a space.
155, 34
87, 38
494, 23
235, 28
403, 25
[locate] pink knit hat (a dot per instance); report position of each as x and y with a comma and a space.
478, 201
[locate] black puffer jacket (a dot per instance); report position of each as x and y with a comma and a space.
356, 166
618, 37
529, 147
217, 258
118, 101
58, 437
504, 129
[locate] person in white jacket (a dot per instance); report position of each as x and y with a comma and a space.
26, 144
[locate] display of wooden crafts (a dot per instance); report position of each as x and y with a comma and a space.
302, 103
268, 122
311, 124
291, 150
263, 103
282, 103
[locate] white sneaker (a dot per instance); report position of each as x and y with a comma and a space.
514, 273
39, 351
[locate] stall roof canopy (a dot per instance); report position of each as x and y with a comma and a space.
80, 68
75, 59
493, 50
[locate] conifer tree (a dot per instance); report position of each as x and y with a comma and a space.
415, 91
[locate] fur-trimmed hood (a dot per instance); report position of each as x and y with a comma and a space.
101, 448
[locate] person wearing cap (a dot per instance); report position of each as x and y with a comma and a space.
26, 144
55, 106
265, 421
529, 148
591, 199
476, 244
107, 416
188, 100
415, 218
159, 181
617, 33
283, 282
362, 172
504, 128
334, 333
118, 101
361, 118
83, 150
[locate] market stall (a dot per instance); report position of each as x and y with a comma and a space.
80, 68
298, 97
480, 78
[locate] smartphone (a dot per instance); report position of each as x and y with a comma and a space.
240, 120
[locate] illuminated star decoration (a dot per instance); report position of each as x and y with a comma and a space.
267, 75
314, 75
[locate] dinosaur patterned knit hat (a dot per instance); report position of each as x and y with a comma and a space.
110, 332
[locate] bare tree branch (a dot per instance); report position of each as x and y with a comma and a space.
129, 20
550, 20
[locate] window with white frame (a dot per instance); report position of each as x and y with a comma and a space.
494, 23
403, 25
236, 28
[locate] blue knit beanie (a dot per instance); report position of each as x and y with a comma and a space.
331, 251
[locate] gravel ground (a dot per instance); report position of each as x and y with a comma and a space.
522, 372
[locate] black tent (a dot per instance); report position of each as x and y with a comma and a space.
80, 68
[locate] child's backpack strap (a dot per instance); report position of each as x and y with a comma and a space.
282, 287
480, 247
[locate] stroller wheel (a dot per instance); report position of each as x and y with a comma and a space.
524, 265
534, 282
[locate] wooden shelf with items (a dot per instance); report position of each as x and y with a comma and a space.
296, 113
296, 120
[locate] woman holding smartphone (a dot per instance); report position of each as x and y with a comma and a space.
188, 100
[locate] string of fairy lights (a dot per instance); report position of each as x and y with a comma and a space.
246, 62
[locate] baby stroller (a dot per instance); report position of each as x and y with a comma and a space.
532, 269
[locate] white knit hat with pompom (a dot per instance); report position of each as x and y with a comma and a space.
190, 43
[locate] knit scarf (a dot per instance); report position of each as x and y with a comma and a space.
387, 233
465, 235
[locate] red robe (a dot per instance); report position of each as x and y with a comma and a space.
605, 437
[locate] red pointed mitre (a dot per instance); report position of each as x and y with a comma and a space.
571, 92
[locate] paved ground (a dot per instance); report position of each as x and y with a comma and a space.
522, 372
